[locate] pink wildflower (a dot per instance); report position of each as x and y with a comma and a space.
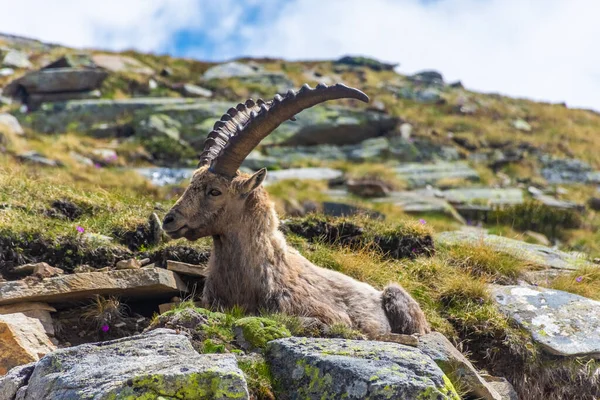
579, 278
105, 328
80, 229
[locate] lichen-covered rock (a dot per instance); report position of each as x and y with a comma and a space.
15, 379
354, 369
563, 323
254, 332
456, 365
147, 366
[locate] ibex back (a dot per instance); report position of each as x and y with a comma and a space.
251, 265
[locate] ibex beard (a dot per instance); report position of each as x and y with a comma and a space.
251, 265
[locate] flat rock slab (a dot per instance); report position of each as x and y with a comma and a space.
419, 174
491, 196
130, 283
534, 254
563, 323
307, 368
147, 366
303, 173
416, 201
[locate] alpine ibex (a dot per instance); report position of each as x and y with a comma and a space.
250, 265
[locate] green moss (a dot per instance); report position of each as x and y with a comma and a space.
257, 331
259, 378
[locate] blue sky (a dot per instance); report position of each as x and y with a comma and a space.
539, 49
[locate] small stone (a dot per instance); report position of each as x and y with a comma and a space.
132, 263
16, 59
9, 124
187, 269
406, 130
522, 125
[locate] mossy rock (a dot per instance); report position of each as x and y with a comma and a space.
255, 332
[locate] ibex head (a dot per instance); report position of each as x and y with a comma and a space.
217, 192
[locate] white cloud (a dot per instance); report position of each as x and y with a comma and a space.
530, 48
110, 24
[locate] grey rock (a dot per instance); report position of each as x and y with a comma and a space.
563, 323
456, 365
336, 368
6, 71
564, 170
303, 173
406, 130
158, 125
84, 114
256, 160
34, 100
16, 59
121, 63
10, 124
419, 175
531, 253
287, 155
420, 201
14, 380
359, 61
521, 125
429, 78
156, 363
426, 95
491, 196
328, 124
165, 176
191, 90
249, 74
34, 157
553, 202
229, 70
59, 80
503, 387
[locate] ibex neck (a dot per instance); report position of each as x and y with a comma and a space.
252, 242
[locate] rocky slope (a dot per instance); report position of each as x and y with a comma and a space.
484, 207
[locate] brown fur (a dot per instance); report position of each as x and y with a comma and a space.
251, 265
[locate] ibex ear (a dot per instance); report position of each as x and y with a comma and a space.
254, 181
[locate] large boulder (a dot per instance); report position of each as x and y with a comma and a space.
157, 364
337, 368
22, 340
58, 80
564, 324
329, 124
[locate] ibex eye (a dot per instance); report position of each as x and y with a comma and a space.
214, 192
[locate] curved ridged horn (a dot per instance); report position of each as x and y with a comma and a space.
255, 121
